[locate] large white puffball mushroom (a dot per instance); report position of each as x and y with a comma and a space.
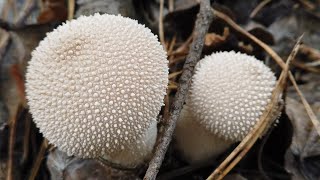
229, 93
95, 86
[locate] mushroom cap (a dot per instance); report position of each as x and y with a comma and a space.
96, 84
229, 93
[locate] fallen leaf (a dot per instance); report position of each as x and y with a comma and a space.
302, 159
213, 39
54, 10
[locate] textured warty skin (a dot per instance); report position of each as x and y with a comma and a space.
95, 86
229, 93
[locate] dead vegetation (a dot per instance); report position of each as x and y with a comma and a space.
284, 34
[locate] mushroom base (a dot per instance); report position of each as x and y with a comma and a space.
137, 153
194, 142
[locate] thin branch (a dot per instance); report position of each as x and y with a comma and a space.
203, 22
37, 163
26, 138
12, 137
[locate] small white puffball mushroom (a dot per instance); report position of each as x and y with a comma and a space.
229, 93
95, 86
195, 142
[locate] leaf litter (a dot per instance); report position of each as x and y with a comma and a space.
265, 29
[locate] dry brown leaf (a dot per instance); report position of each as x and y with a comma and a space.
18, 78
3, 170
213, 39
93, 169
4, 40
305, 146
54, 10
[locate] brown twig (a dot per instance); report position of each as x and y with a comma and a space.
12, 140
37, 163
26, 138
201, 27
275, 57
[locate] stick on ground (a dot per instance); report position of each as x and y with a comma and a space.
203, 22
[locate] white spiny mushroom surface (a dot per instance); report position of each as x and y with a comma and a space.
229, 93
96, 84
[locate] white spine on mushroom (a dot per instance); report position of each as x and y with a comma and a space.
95, 86
229, 93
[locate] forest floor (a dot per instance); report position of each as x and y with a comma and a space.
265, 29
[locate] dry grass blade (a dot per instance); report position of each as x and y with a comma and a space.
308, 108
161, 31
4, 40
267, 118
238, 28
172, 44
306, 67
37, 163
171, 5
183, 49
166, 111
259, 7
174, 74
8, 5
311, 53
274, 56
172, 85
307, 4
71, 7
